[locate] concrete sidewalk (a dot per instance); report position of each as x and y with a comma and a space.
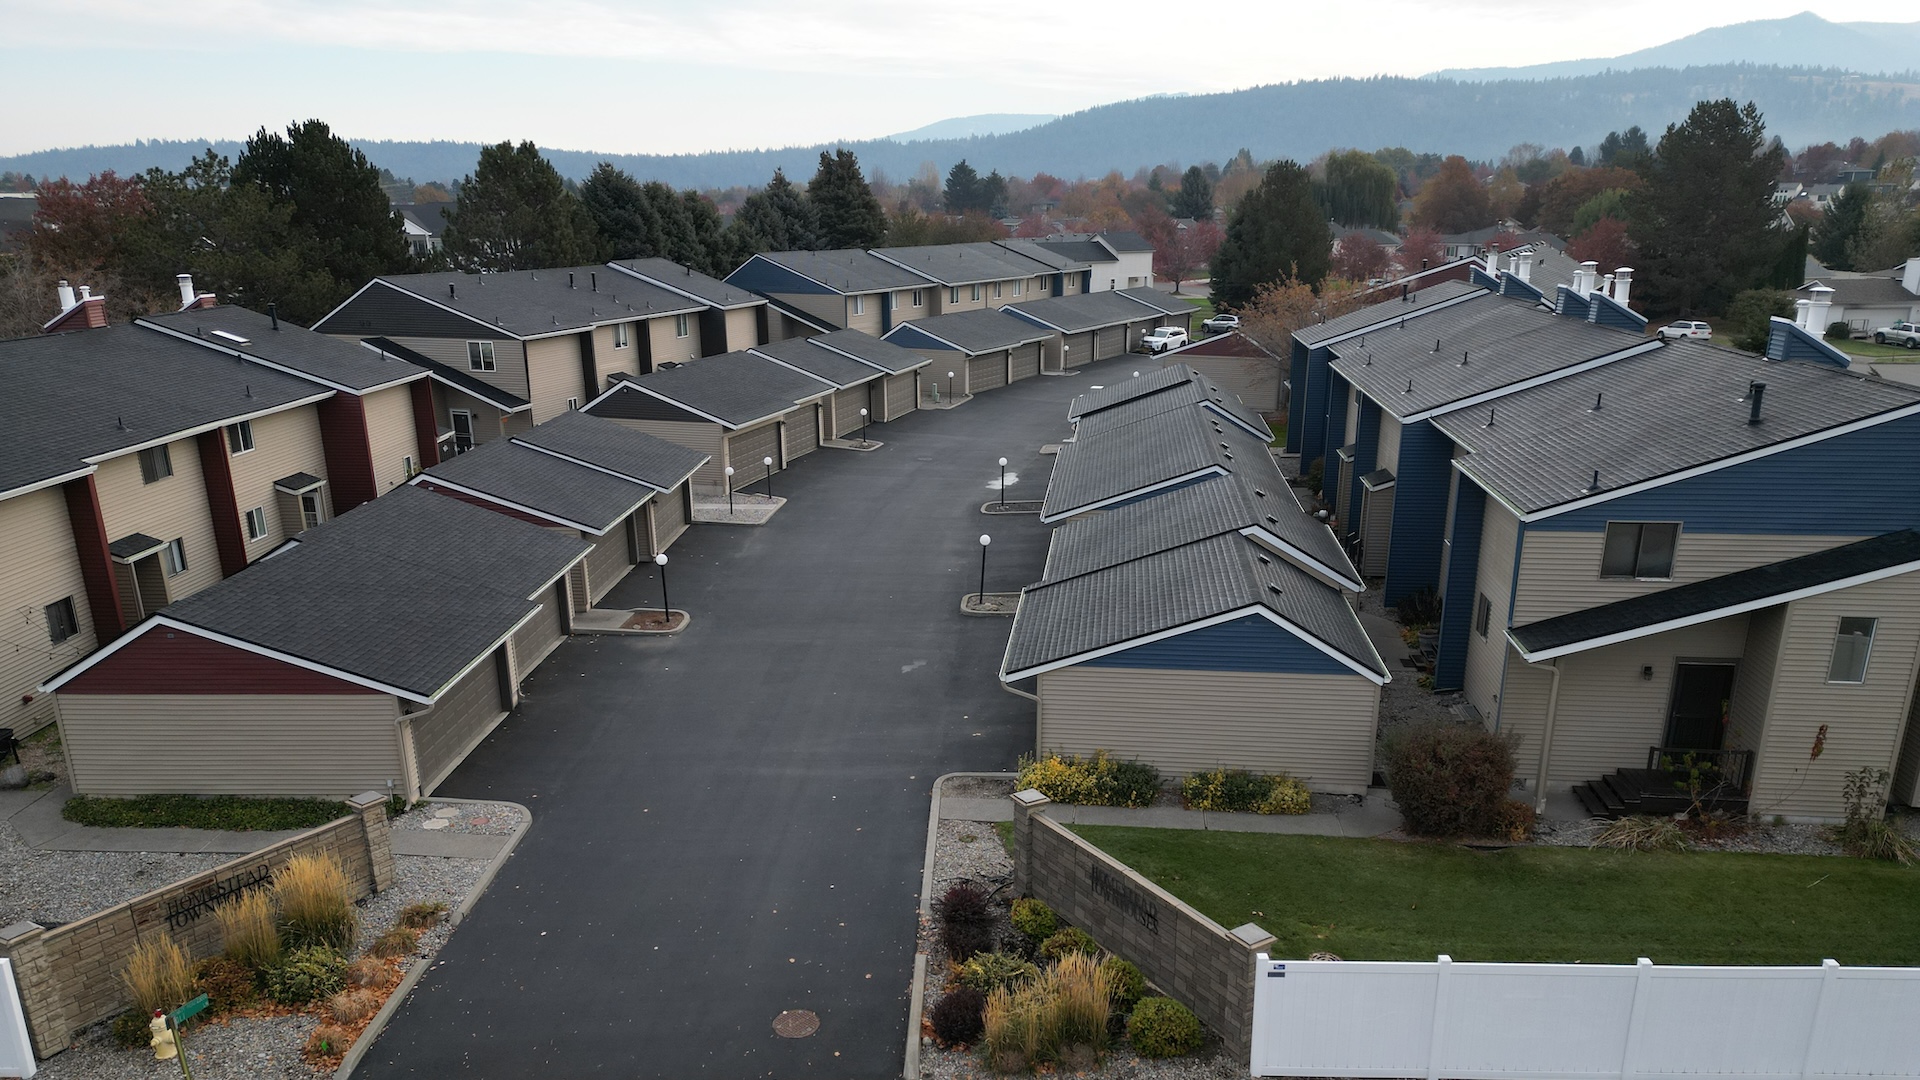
35, 816
1372, 816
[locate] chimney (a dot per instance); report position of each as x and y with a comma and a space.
83, 312
1818, 309
1606, 286
66, 297
1622, 284
1910, 276
1493, 260
1800, 312
1755, 391
186, 290
1586, 278
1523, 266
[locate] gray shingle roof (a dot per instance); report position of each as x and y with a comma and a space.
1126, 240
543, 483
868, 349
736, 388
1504, 340
1086, 252
94, 393
674, 277
300, 481
636, 455
1051, 255
962, 264
846, 270
1702, 600
452, 376
1156, 390
338, 362
1175, 588
533, 303
1157, 450
1671, 409
1865, 291
1164, 302
836, 367
134, 544
406, 590
980, 331
1084, 311
1388, 309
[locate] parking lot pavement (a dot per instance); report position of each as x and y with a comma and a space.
730, 823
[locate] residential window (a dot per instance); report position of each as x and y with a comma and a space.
155, 464
857, 306
680, 326
1482, 615
1850, 649
1639, 549
480, 356
620, 335
240, 437
919, 298
996, 290
406, 466
175, 554
257, 523
974, 292
953, 294
62, 622
1016, 287
573, 403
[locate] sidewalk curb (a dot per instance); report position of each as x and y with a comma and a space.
351, 1060
917, 1000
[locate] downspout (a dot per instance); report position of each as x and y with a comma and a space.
1546, 738
1009, 688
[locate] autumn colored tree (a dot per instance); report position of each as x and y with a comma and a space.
1359, 257
433, 191
1033, 225
1605, 243
1279, 309
1453, 200
1419, 249
78, 229
1277, 233
1562, 196
1504, 193
1187, 250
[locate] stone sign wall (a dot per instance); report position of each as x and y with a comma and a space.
69, 976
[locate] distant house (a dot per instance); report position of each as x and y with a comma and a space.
1866, 301
1118, 259
423, 224
1240, 366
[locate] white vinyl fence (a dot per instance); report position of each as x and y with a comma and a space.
1470, 1021
16, 1053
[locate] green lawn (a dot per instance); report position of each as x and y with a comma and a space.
1386, 900
1882, 353
1202, 311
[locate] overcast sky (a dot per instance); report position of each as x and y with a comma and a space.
637, 76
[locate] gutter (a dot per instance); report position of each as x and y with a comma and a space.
1546, 738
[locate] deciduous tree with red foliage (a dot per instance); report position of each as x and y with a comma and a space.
1359, 257
1419, 250
1190, 249
1606, 243
77, 228
1454, 200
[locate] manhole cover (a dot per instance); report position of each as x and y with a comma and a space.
796, 1024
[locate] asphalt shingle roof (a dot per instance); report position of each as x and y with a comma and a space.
526, 477
847, 270
1389, 308
532, 303
1670, 409
1865, 291
406, 590
1085, 252
737, 388
1051, 255
836, 367
306, 353
963, 264
1153, 391
460, 380
1164, 302
652, 461
980, 331
1085, 311
91, 394
1176, 588
1703, 598
1155, 450
868, 349
1504, 340
674, 277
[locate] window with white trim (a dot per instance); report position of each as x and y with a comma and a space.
620, 339
573, 403
62, 621
1017, 286
953, 294
681, 327
240, 437
857, 305
919, 298
257, 523
1852, 644
1482, 615
480, 356
175, 554
1639, 549
974, 293
156, 464
996, 290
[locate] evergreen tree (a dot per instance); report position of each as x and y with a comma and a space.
1576, 156
777, 219
674, 235
1625, 151
963, 189
621, 212
1195, 197
514, 213
1277, 234
990, 197
1835, 238
711, 253
1704, 220
850, 217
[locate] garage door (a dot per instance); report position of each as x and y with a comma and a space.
1026, 361
1079, 349
745, 449
1110, 341
456, 723
607, 563
803, 432
986, 372
669, 516
899, 395
846, 410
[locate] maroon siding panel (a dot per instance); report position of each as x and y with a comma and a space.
475, 500
349, 450
166, 661
425, 433
96, 565
216, 468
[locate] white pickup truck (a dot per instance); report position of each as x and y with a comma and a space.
1900, 333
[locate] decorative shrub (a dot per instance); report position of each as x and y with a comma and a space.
1839, 330
1641, 834
1419, 608
964, 941
316, 903
329, 1041
369, 972
959, 1017
227, 983
1034, 918
1450, 779
396, 942
989, 971
422, 917
1867, 833
1124, 982
966, 921
158, 975
308, 974
1317, 476
1243, 792
130, 1030
1069, 942
1095, 781
246, 926
1082, 998
1162, 1027
1515, 821
352, 1006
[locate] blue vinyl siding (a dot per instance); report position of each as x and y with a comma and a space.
1333, 427
1297, 399
1785, 341
1566, 303
763, 276
1463, 568
1419, 511
1366, 451
1319, 439
1479, 276
1603, 311
1861, 484
909, 336
1248, 644
1513, 286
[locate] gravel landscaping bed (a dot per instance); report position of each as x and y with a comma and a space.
55, 887
482, 819
977, 787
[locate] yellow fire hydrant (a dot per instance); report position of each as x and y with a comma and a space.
165, 1048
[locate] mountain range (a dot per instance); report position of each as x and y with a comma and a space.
1803, 40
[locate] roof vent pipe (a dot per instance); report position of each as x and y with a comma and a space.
67, 301
1596, 403
1436, 344
570, 279
452, 291
593, 278
273, 315
86, 293
1489, 422
1622, 284
1755, 391
1463, 358
185, 282
1403, 292
1594, 486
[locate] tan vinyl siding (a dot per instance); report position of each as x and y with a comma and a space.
307, 744
708, 439
443, 735
942, 303
1906, 776
1319, 728
42, 569
669, 510
668, 345
1387, 456
868, 320
509, 359
544, 632
1753, 683
608, 562
553, 365
392, 436
1560, 571
831, 308
608, 361
747, 452
173, 507
1864, 721
283, 444
743, 329
489, 423
1486, 657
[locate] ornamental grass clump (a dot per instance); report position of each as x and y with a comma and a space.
1095, 781
1061, 1017
247, 931
1641, 833
158, 975
1082, 1000
316, 903
1450, 779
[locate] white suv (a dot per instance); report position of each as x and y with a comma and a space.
1900, 333
1685, 330
1220, 324
1162, 338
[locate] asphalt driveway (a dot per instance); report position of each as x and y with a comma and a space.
730, 823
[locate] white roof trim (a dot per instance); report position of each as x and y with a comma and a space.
188, 433
1327, 574
1709, 616
1235, 615
750, 301
1061, 515
282, 368
51, 481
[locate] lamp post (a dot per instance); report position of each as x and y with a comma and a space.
981, 596
949, 386
863, 427
1003, 483
666, 609
729, 491
768, 462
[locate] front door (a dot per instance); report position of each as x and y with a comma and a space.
462, 430
1697, 718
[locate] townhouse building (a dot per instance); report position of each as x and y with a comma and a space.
1115, 259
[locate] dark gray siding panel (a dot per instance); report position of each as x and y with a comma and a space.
387, 312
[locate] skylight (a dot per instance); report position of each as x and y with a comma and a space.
235, 338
